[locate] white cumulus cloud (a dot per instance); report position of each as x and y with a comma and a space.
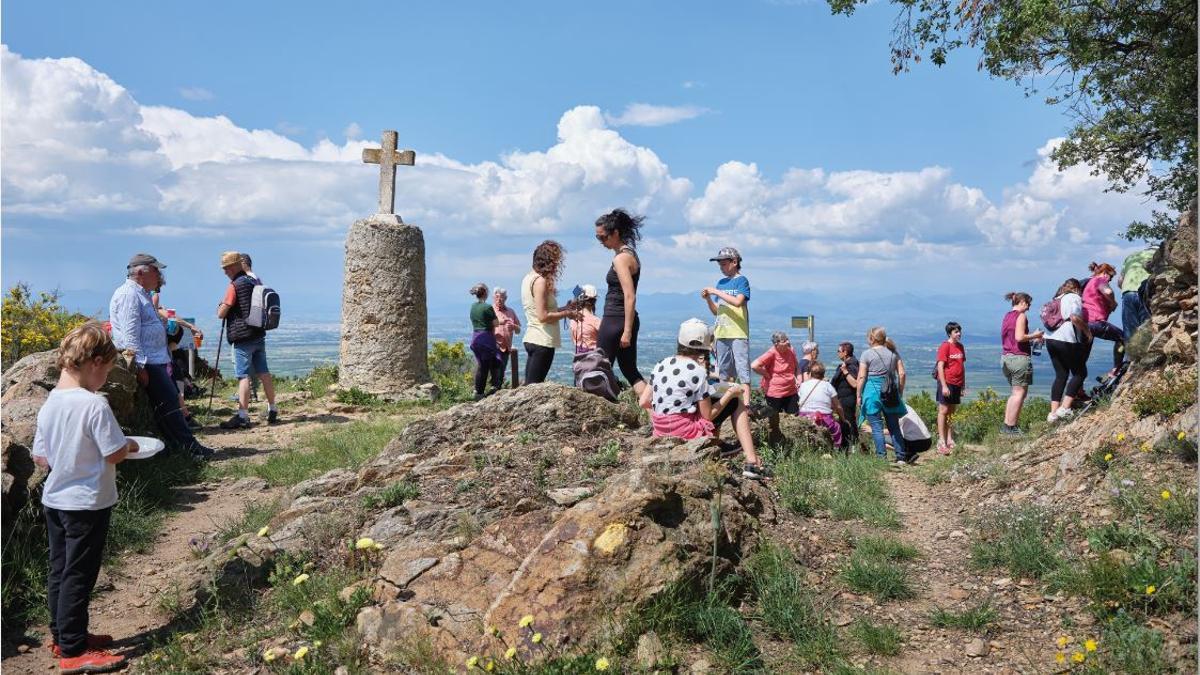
647, 115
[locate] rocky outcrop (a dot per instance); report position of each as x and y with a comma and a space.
542, 501
1172, 326
23, 389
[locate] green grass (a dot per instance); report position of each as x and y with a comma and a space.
346, 446
974, 619
882, 640
606, 456
850, 488
320, 379
394, 494
356, 396
684, 612
1111, 583
885, 547
978, 420
1177, 512
789, 609
1172, 394
254, 516
878, 577
1127, 646
1024, 540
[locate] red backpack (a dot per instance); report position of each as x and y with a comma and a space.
1051, 314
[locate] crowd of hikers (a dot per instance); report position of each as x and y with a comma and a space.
708, 380
690, 394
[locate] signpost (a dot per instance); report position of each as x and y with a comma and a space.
809, 322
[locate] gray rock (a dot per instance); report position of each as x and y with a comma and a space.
650, 651
569, 496
977, 648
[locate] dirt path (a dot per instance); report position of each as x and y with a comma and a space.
934, 521
127, 600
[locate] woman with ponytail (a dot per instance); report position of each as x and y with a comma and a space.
1016, 361
1068, 345
1098, 302
619, 232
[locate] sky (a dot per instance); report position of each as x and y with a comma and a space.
186, 129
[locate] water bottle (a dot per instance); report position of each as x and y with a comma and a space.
171, 325
1036, 347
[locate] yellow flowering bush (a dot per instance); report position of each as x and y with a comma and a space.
32, 325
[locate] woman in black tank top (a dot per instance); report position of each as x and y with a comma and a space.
620, 232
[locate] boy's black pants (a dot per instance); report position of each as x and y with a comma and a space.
76, 548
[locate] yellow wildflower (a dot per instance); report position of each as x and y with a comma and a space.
1062, 641
1166, 494
269, 655
1108, 457
537, 637
300, 579
1180, 436
525, 621
1120, 437
316, 644
510, 653
1150, 589
1060, 657
490, 630
471, 662
1090, 645
262, 531
364, 543
378, 546
1146, 447
300, 653
491, 665
1078, 657
601, 663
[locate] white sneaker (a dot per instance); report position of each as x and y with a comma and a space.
1065, 413
1051, 417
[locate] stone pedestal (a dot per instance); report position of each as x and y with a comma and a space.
384, 328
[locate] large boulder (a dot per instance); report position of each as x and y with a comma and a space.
488, 534
1170, 334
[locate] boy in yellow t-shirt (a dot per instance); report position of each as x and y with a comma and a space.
729, 301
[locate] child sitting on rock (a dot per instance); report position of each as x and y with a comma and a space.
80, 441
683, 403
819, 402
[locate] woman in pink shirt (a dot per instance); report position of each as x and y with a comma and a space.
507, 325
1098, 303
777, 368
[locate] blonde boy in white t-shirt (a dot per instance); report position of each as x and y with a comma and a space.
80, 441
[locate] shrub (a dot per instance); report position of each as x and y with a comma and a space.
393, 495
1025, 540
977, 419
356, 396
450, 367
31, 325
1169, 395
320, 379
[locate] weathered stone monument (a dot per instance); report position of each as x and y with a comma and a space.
384, 331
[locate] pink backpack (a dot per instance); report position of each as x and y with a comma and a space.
1051, 314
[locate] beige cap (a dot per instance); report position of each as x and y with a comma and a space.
230, 258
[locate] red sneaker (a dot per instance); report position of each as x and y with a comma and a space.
92, 661
93, 642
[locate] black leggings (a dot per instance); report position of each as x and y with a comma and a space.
537, 366
609, 342
1070, 367
1103, 330
492, 368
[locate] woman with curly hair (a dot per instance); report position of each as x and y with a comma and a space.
542, 312
619, 232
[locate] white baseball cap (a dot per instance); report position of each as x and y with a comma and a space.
587, 291
695, 334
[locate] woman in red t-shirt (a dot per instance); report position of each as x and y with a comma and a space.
952, 378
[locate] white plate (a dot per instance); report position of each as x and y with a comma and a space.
147, 447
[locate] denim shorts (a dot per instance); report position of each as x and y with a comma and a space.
250, 356
733, 359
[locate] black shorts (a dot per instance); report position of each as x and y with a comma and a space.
727, 411
955, 396
785, 404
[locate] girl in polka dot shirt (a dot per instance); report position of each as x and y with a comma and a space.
683, 403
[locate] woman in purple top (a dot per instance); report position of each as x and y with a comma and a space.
1016, 361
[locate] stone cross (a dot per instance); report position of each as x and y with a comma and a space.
388, 159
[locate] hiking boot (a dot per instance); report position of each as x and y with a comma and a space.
756, 471
272, 416
93, 642
236, 422
92, 661
201, 453
192, 423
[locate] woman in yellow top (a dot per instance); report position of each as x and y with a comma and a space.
541, 310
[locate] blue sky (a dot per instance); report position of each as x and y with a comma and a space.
185, 130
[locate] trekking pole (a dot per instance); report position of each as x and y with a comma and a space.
212, 385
